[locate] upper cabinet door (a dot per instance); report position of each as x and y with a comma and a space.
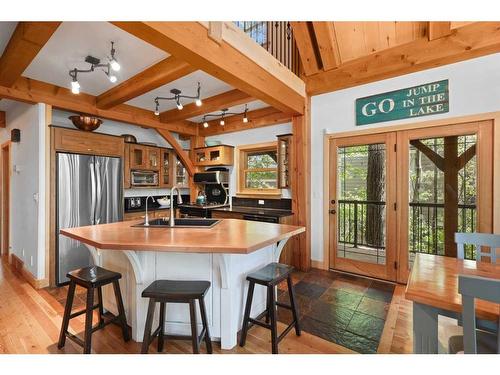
138, 157
166, 170
153, 158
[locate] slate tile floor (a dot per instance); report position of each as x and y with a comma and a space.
344, 309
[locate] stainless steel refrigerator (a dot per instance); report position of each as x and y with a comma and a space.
89, 191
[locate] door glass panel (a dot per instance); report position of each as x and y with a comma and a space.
361, 207
442, 194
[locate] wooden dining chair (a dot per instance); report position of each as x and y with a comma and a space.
480, 241
475, 340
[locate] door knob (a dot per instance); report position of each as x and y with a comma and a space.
332, 201
333, 212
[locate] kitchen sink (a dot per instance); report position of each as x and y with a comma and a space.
180, 223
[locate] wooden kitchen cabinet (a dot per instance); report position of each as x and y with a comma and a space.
214, 156
181, 174
138, 155
153, 158
77, 141
226, 215
153, 214
167, 162
284, 160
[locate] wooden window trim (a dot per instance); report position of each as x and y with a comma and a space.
241, 169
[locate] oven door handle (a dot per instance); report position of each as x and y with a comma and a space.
266, 219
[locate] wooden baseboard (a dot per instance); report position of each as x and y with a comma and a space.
19, 266
318, 264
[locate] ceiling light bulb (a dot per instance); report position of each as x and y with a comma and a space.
112, 78
179, 106
245, 119
75, 87
222, 122
199, 102
157, 112
114, 65
205, 124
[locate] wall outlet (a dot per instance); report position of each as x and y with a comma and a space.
31, 261
261, 201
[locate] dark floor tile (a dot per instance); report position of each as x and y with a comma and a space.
358, 343
373, 307
320, 278
342, 298
380, 291
321, 329
351, 284
310, 290
336, 316
303, 303
366, 325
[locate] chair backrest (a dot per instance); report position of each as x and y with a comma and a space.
472, 287
479, 240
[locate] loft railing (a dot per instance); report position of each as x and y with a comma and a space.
426, 226
276, 37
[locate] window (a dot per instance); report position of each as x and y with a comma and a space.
258, 169
257, 30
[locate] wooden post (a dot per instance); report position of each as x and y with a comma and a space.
450, 195
3, 122
301, 187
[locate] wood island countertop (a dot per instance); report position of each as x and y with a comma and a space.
229, 236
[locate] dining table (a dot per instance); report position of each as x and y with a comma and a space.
433, 288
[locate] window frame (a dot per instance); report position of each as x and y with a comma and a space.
241, 160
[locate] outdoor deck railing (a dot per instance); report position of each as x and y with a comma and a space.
426, 225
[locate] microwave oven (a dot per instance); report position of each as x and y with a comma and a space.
144, 178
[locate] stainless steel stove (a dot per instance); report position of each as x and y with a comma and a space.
198, 210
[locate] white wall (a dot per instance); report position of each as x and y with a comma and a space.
27, 219
60, 118
474, 88
248, 137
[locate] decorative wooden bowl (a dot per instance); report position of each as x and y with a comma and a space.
86, 123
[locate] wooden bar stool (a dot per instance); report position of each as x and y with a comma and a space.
92, 278
170, 291
270, 276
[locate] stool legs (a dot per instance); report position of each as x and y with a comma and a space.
121, 310
101, 308
293, 304
149, 323
194, 333
87, 341
67, 313
246, 317
208, 341
162, 327
272, 314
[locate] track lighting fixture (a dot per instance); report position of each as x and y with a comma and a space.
177, 95
94, 62
222, 115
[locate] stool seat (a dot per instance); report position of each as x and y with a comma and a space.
271, 274
176, 289
93, 276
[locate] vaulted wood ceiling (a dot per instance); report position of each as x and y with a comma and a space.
337, 55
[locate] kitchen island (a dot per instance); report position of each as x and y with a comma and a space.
223, 254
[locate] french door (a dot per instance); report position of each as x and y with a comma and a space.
393, 195
361, 208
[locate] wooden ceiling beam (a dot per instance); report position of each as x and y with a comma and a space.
470, 41
26, 41
236, 60
304, 39
3, 122
438, 30
258, 118
214, 103
327, 44
33, 91
159, 74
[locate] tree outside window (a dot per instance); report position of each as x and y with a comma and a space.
258, 169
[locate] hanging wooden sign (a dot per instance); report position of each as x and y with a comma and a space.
423, 100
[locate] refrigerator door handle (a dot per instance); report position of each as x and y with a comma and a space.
93, 192
98, 188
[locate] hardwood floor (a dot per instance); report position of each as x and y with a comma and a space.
30, 320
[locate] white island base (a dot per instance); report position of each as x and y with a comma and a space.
224, 302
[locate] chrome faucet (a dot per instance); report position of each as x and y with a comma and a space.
146, 218
172, 209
